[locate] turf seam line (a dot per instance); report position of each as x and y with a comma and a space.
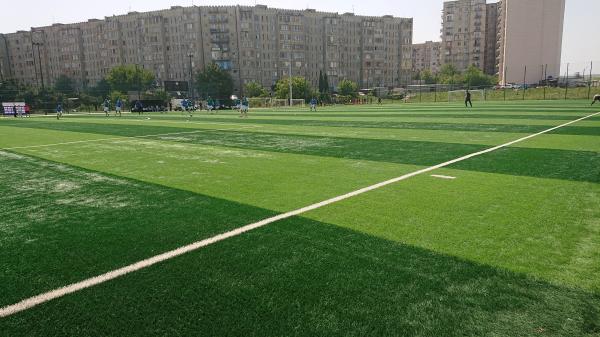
90, 282
122, 138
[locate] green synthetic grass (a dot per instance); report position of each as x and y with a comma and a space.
511, 247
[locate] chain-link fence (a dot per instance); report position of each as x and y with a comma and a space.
576, 81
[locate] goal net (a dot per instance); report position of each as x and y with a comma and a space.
259, 102
297, 103
459, 95
280, 103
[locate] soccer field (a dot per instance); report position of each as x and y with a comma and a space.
504, 242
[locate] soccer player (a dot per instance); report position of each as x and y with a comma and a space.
138, 107
106, 106
118, 107
468, 99
190, 106
59, 111
244, 108
596, 98
210, 104
313, 104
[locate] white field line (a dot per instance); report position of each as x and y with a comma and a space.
123, 138
443, 177
69, 289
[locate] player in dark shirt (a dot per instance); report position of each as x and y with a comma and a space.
468, 99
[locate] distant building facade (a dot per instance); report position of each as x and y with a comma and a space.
529, 35
252, 43
463, 33
490, 56
502, 38
426, 56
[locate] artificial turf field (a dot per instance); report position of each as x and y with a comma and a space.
509, 247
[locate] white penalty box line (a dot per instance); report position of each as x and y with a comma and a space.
111, 275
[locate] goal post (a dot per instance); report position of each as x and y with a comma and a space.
459, 95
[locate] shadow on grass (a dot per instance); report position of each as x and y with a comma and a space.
304, 278
60, 224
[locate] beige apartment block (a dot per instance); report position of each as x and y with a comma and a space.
426, 56
464, 33
253, 43
529, 40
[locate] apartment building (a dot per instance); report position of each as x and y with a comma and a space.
491, 39
253, 43
427, 56
464, 33
529, 40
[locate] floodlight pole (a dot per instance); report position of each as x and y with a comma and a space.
567, 82
590, 81
191, 89
545, 79
37, 45
524, 80
139, 80
290, 79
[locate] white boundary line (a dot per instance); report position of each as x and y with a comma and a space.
443, 177
123, 138
90, 282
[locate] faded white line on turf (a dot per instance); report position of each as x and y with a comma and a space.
60, 292
121, 138
443, 177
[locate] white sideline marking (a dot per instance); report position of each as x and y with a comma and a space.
90, 282
443, 177
122, 138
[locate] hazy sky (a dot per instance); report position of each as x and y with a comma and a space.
580, 45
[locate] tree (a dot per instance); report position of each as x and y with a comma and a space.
255, 89
325, 83
476, 78
130, 78
101, 89
450, 75
115, 95
300, 88
64, 85
159, 95
321, 82
347, 88
214, 82
428, 77
9, 89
